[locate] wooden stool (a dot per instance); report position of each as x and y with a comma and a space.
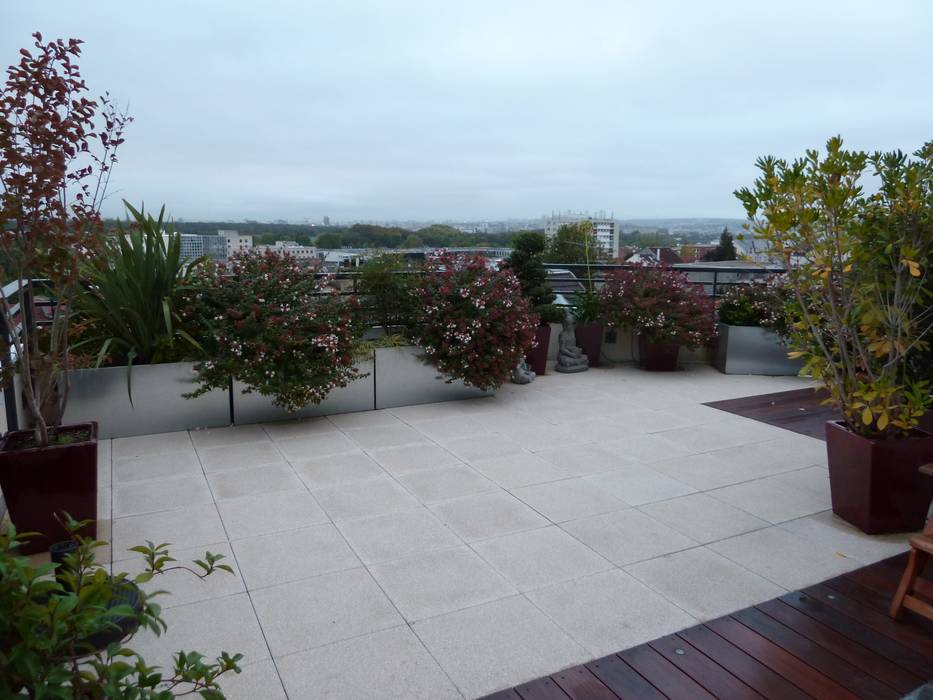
921, 547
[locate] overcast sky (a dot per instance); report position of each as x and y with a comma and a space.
485, 109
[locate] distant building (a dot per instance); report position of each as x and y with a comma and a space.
605, 230
196, 245
327, 221
696, 252
655, 256
303, 253
235, 242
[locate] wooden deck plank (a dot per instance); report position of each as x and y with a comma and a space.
777, 659
664, 675
751, 672
623, 680
541, 689
829, 664
907, 635
861, 657
702, 669
879, 602
580, 684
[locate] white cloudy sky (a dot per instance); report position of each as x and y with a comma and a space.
487, 108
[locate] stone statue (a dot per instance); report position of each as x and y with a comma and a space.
570, 358
522, 374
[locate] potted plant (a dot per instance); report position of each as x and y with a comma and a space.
752, 328
525, 262
57, 149
860, 311
142, 350
589, 329
475, 324
276, 329
64, 626
662, 308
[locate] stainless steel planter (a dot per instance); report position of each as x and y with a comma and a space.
256, 408
158, 407
753, 350
404, 379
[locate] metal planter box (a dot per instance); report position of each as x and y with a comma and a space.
157, 407
256, 408
753, 350
404, 379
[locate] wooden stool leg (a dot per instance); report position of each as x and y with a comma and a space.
915, 563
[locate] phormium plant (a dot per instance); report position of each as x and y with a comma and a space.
660, 304
475, 323
268, 322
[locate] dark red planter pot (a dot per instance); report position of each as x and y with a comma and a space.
589, 337
875, 484
39, 482
537, 356
657, 357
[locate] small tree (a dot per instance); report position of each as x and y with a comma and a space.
574, 244
386, 287
858, 268
725, 250
525, 262
51, 186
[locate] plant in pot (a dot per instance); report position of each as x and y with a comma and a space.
65, 626
752, 328
57, 149
526, 263
271, 324
662, 308
475, 325
860, 311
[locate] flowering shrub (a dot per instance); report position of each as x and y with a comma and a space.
270, 324
660, 304
475, 324
759, 303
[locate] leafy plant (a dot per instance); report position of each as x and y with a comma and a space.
526, 263
660, 304
858, 268
133, 291
758, 303
57, 149
56, 620
475, 324
271, 324
385, 288
575, 244
587, 306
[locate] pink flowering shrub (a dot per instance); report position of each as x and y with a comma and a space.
660, 304
269, 323
758, 303
475, 323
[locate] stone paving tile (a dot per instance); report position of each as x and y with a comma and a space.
338, 469
443, 484
399, 461
156, 444
639, 485
248, 454
230, 435
831, 531
440, 582
703, 518
521, 469
782, 497
540, 557
373, 497
397, 667
487, 647
397, 535
470, 449
703, 583
487, 515
254, 480
627, 536
269, 512
328, 608
188, 526
140, 497
610, 611
157, 466
570, 499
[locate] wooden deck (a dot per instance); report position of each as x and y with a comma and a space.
832, 641
800, 410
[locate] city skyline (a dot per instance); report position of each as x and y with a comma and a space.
372, 111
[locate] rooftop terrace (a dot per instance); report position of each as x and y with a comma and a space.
452, 550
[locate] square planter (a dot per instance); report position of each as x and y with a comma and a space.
875, 484
404, 379
753, 350
158, 406
40, 482
256, 408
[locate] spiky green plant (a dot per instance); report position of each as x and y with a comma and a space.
132, 291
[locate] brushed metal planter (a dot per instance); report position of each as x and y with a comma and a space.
256, 408
158, 406
404, 379
753, 350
